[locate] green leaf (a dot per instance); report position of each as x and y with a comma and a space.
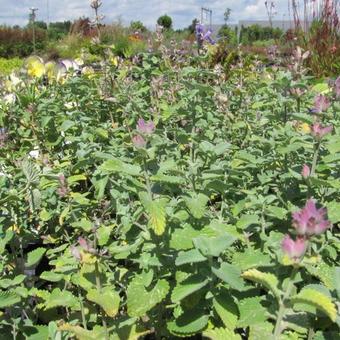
188, 324
9, 282
213, 246
318, 300
139, 300
116, 165
59, 298
251, 258
51, 276
82, 334
103, 234
107, 298
34, 257
247, 220
40, 333
190, 256
187, 287
333, 210
230, 274
261, 331
266, 279
221, 334
84, 224
167, 179
226, 309
8, 298
3, 241
251, 312
196, 204
156, 211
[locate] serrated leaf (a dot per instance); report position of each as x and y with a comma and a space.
261, 331
51, 276
31, 171
213, 246
188, 324
247, 220
34, 257
324, 273
190, 256
140, 301
116, 165
167, 179
187, 287
196, 204
59, 298
107, 298
8, 298
251, 258
226, 309
9, 282
39, 333
318, 300
266, 279
156, 211
230, 274
84, 334
221, 334
251, 312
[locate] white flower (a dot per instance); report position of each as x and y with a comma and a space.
9, 98
34, 153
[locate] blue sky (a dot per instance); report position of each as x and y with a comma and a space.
182, 11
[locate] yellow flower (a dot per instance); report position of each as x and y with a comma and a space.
304, 128
15, 229
114, 61
35, 67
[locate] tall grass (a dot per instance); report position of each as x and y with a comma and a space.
318, 31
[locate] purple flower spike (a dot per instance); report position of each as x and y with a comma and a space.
310, 220
321, 103
146, 128
139, 142
294, 249
318, 131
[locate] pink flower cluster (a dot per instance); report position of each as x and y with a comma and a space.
144, 128
307, 222
321, 103
319, 131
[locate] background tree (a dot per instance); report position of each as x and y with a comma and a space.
138, 26
192, 26
165, 21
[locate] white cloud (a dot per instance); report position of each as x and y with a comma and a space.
182, 11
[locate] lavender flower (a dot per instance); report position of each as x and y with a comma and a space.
203, 34
145, 128
310, 220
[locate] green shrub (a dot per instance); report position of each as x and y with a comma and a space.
7, 66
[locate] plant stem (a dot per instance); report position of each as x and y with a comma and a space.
82, 309
147, 178
315, 157
283, 303
99, 288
